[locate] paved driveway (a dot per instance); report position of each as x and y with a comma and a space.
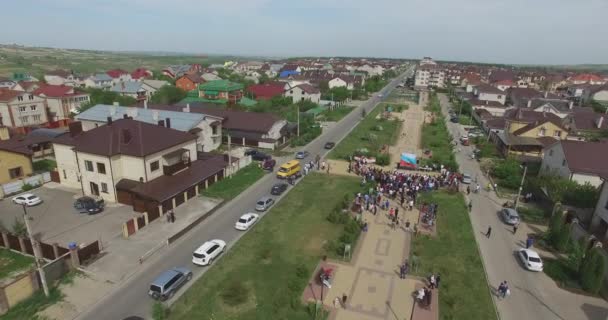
533, 295
55, 220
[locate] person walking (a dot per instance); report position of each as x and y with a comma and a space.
468, 190
437, 280
501, 289
515, 226
470, 205
432, 281
529, 242
489, 232
402, 271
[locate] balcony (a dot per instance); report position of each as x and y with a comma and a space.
170, 170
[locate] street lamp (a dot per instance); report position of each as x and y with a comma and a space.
521, 186
36, 247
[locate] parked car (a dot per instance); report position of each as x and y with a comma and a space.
510, 216
264, 203
89, 205
28, 199
530, 259
302, 154
475, 134
268, 164
454, 119
165, 286
329, 145
278, 189
466, 178
208, 251
256, 155
246, 221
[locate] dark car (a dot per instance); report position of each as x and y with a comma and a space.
454, 119
278, 188
89, 205
268, 164
256, 155
329, 145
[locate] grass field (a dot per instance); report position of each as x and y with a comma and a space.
366, 135
228, 188
454, 254
265, 273
336, 114
11, 262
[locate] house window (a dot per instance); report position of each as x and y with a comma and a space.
557, 133
33, 108
499, 96
22, 109
101, 168
24, 119
36, 117
542, 132
104, 187
154, 166
20, 98
31, 97
291, 91
89, 165
564, 163
15, 172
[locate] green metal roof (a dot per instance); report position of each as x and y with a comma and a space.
220, 85
197, 99
247, 102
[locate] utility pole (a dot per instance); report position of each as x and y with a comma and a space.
229, 156
521, 186
298, 114
36, 247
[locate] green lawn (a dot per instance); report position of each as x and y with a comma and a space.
371, 133
44, 165
336, 114
487, 148
454, 254
11, 262
397, 107
228, 188
436, 137
465, 120
265, 273
533, 214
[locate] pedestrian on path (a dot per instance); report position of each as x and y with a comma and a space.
437, 280
402, 271
515, 226
344, 297
402, 201
489, 232
468, 190
529, 242
432, 281
470, 205
328, 168
411, 205
428, 297
501, 289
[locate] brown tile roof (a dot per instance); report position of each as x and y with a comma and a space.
308, 88
496, 123
194, 77
8, 95
586, 157
127, 137
22, 145
488, 89
587, 119
531, 116
486, 103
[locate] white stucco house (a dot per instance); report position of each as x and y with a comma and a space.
99, 81
304, 92
489, 93
580, 161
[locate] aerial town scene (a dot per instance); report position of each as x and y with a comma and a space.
323, 160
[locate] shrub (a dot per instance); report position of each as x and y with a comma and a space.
383, 159
235, 293
19, 227
27, 187
592, 271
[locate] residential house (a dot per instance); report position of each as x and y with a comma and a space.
495, 108
99, 81
304, 92
266, 91
429, 75
598, 93
348, 81
6, 83
133, 89
151, 86
577, 91
503, 85
119, 75
221, 90
63, 77
21, 76
559, 107
583, 122
599, 220
527, 133
210, 76
519, 97
208, 128
151, 167
486, 92
141, 74
587, 78
249, 66
22, 110
29, 86
189, 82
371, 70
176, 71
61, 101
579, 161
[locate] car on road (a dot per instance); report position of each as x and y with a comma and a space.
302, 154
246, 221
28, 199
256, 155
530, 259
454, 119
278, 189
268, 164
208, 251
509, 216
466, 178
89, 205
289, 169
264, 203
165, 286
329, 145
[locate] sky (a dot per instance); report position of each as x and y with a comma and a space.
497, 31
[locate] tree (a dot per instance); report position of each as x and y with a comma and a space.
263, 78
339, 94
168, 95
324, 87
99, 96
591, 272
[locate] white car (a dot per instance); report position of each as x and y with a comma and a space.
466, 178
206, 253
28, 199
530, 259
246, 221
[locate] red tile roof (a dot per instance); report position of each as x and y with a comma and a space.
266, 91
8, 95
140, 73
54, 91
586, 77
115, 73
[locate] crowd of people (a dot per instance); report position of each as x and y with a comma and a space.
424, 295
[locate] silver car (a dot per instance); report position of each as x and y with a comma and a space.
264, 203
510, 216
466, 178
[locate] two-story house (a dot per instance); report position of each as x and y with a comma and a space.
99, 81
207, 128
61, 101
486, 92
62, 77
580, 161
131, 89
149, 166
221, 90
560, 107
22, 110
303, 92
189, 82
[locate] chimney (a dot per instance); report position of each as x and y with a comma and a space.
155, 115
530, 103
126, 136
168, 122
599, 122
75, 128
145, 104
187, 107
570, 105
109, 121
161, 123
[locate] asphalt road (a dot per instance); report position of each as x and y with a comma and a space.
130, 298
533, 295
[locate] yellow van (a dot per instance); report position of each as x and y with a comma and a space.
290, 168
